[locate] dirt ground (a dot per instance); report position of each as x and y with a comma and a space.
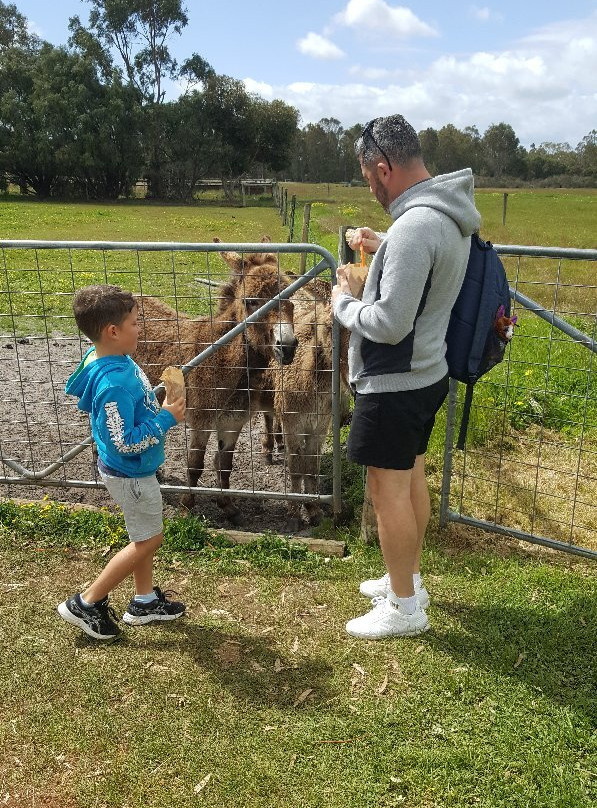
39, 423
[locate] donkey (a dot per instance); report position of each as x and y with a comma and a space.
296, 401
168, 337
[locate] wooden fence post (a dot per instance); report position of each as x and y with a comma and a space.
369, 532
504, 209
285, 207
292, 212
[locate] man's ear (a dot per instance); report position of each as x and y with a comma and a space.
383, 172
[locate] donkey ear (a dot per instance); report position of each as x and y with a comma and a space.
267, 239
233, 259
500, 312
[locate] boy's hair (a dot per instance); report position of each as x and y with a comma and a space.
95, 307
390, 138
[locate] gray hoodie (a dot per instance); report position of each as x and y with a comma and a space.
399, 327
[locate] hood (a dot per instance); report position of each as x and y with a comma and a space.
85, 379
451, 194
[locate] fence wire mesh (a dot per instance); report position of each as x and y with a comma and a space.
530, 464
228, 392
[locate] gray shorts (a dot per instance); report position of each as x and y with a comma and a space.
140, 499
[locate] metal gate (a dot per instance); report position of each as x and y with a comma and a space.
44, 441
529, 469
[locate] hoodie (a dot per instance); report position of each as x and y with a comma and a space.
399, 327
127, 423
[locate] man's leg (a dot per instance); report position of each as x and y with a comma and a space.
419, 497
397, 524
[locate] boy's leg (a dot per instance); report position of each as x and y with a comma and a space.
135, 555
143, 571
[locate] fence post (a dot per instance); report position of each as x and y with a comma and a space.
305, 235
292, 212
448, 453
242, 192
369, 532
505, 205
285, 207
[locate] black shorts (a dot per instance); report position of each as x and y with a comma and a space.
389, 430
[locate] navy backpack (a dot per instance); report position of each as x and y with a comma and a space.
473, 345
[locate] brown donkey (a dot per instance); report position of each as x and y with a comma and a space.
296, 401
168, 337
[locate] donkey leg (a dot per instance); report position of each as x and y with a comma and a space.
279, 434
313, 446
294, 458
229, 426
196, 459
267, 440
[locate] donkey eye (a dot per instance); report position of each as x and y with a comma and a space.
252, 304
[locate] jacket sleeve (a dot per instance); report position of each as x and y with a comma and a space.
407, 260
115, 422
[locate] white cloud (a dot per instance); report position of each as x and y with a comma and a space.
378, 17
543, 85
485, 14
319, 47
259, 87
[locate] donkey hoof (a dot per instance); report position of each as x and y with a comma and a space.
187, 501
315, 518
292, 525
236, 517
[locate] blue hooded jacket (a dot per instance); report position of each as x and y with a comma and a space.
127, 423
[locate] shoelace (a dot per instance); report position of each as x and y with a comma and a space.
107, 611
163, 596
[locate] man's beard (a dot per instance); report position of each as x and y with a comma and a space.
381, 194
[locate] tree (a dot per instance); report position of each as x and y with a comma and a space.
14, 32
61, 130
138, 31
501, 150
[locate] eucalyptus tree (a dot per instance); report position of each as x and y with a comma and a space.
137, 33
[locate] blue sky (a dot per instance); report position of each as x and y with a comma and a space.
529, 63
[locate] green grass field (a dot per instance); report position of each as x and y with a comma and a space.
258, 698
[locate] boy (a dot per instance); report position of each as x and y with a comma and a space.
129, 429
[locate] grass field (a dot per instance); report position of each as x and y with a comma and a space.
258, 698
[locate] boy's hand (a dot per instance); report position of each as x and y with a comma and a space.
176, 408
365, 237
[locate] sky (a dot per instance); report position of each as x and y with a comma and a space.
529, 63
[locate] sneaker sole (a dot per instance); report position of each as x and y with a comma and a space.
142, 620
379, 593
71, 618
389, 636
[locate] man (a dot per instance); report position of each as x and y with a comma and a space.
397, 354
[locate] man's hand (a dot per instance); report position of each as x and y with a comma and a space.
365, 237
176, 408
342, 282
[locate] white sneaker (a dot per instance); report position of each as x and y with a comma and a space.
379, 588
386, 620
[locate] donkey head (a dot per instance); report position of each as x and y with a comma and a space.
257, 278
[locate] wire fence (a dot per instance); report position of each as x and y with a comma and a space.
213, 304
529, 468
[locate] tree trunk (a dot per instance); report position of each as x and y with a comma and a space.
369, 533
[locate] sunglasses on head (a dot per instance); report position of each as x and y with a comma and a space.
368, 130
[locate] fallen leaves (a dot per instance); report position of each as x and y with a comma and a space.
200, 786
302, 696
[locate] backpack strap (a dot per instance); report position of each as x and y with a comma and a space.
466, 411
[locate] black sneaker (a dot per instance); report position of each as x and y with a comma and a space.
160, 608
97, 620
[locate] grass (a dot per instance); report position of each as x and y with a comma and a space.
260, 689
259, 698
